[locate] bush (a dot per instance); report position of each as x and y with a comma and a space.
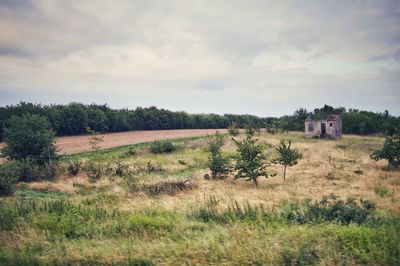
29, 137
8, 178
122, 169
233, 129
50, 171
169, 187
389, 152
28, 171
162, 146
94, 170
74, 167
329, 209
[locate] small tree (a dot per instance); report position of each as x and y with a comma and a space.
250, 159
29, 137
216, 162
95, 139
287, 156
389, 152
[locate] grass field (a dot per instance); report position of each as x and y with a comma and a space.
159, 210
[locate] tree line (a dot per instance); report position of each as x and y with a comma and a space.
76, 119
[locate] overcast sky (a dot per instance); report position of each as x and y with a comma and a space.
266, 58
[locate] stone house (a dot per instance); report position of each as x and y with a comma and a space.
331, 127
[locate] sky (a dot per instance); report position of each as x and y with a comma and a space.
266, 58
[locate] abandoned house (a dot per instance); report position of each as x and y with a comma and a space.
330, 127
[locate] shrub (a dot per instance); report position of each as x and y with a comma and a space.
250, 159
29, 137
169, 187
122, 169
28, 171
233, 129
162, 146
8, 178
50, 171
216, 162
94, 170
74, 167
389, 152
150, 167
329, 209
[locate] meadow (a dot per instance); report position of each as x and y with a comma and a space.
336, 207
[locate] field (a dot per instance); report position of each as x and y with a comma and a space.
157, 209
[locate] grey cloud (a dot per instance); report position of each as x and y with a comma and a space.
264, 57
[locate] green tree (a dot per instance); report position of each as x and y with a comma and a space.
29, 137
216, 162
389, 152
250, 160
287, 156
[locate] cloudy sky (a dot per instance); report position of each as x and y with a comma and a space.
266, 58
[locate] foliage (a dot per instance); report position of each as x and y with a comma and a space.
329, 209
389, 152
8, 178
162, 146
250, 159
29, 137
287, 156
233, 129
216, 162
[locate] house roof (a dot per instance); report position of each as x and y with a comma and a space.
333, 118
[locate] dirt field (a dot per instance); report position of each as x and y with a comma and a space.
76, 144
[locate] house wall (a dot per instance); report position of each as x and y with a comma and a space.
333, 128
312, 128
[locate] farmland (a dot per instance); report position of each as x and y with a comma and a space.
157, 209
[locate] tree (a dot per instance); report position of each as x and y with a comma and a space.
29, 137
95, 139
287, 156
216, 162
250, 159
389, 152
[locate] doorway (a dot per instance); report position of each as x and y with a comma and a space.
323, 129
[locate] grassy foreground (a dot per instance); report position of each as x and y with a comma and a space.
159, 209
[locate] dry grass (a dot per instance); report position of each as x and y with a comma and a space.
324, 169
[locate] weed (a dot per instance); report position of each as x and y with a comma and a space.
74, 167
